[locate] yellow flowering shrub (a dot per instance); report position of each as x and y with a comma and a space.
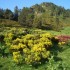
26, 51
8, 38
33, 48
17, 47
17, 40
17, 57
46, 35
13, 33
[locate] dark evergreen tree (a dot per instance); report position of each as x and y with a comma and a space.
26, 17
7, 13
16, 10
1, 13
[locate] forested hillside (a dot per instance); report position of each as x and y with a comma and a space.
44, 16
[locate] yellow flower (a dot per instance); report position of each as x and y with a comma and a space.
17, 40
48, 43
16, 53
14, 47
16, 60
30, 43
26, 50
35, 47
20, 45
46, 35
61, 43
46, 54
29, 36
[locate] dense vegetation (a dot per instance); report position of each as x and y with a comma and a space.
35, 38
44, 16
24, 48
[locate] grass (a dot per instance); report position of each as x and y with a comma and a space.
65, 56
7, 64
64, 31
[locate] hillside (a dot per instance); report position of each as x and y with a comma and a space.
51, 10
45, 16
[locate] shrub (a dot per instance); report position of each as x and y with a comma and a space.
63, 39
33, 48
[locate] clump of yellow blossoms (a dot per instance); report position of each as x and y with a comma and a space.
17, 57
33, 48
8, 38
61, 43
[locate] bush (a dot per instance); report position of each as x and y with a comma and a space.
30, 49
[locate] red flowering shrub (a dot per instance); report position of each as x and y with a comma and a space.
63, 38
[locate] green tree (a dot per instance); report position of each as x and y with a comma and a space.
37, 22
7, 13
26, 16
1, 13
16, 12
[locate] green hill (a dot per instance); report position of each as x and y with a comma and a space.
45, 16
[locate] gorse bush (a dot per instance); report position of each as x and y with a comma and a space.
13, 33
30, 49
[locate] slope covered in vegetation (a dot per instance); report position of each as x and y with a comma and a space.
44, 16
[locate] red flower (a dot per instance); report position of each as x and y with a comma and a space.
63, 38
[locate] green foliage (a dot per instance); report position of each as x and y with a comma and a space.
7, 13
37, 22
44, 16
26, 17
1, 13
8, 23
